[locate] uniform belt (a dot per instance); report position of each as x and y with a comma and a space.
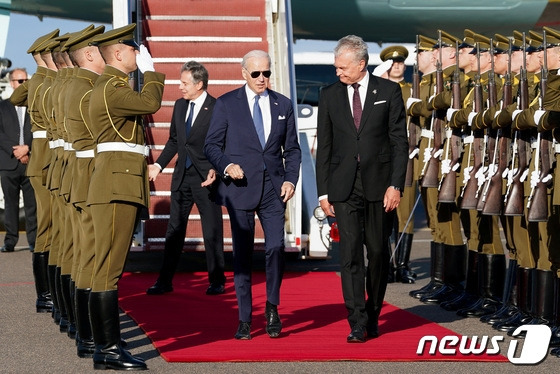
557, 148
55, 144
468, 139
90, 153
427, 134
68, 147
40, 134
123, 147
60, 142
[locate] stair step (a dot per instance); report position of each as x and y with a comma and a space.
202, 28
220, 8
216, 71
208, 49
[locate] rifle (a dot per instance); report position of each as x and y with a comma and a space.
430, 178
491, 136
448, 185
470, 188
492, 197
537, 204
514, 198
412, 123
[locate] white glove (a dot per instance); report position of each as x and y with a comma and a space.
413, 153
467, 175
445, 166
427, 154
450, 112
497, 113
537, 116
410, 101
535, 178
515, 114
382, 68
144, 60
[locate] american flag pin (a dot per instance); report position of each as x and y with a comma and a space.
375, 92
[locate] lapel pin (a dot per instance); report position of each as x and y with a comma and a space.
375, 92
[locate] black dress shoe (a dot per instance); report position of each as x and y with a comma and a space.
357, 335
6, 249
372, 331
159, 289
273, 323
215, 289
243, 331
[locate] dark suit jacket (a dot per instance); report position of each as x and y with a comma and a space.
9, 134
232, 138
381, 141
193, 146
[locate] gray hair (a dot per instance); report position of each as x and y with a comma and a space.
255, 53
198, 72
354, 44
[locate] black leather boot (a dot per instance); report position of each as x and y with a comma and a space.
524, 290
61, 306
44, 302
454, 274
469, 295
403, 273
542, 295
54, 297
105, 324
84, 337
509, 304
436, 271
491, 272
555, 338
66, 285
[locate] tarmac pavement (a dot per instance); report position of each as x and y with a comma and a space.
32, 343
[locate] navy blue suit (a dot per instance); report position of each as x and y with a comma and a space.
232, 138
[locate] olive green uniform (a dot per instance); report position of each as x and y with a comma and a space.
119, 184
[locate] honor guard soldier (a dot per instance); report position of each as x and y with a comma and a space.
550, 122
119, 183
89, 66
417, 107
398, 54
26, 95
484, 230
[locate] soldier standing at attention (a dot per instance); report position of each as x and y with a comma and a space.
398, 53
119, 182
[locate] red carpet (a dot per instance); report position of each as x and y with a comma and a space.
189, 326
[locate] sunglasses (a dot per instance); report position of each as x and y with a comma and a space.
20, 81
130, 42
256, 74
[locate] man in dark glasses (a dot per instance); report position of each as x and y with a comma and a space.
15, 146
252, 142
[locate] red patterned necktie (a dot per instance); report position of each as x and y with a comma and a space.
357, 106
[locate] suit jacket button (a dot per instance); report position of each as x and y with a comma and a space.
127, 170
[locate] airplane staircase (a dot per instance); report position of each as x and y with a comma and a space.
216, 33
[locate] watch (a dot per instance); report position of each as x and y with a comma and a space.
396, 188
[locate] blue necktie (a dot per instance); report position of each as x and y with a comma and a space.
258, 120
188, 125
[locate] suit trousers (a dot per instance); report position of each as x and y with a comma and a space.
114, 225
182, 201
271, 212
363, 222
14, 181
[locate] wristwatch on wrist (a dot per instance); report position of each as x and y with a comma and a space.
396, 188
